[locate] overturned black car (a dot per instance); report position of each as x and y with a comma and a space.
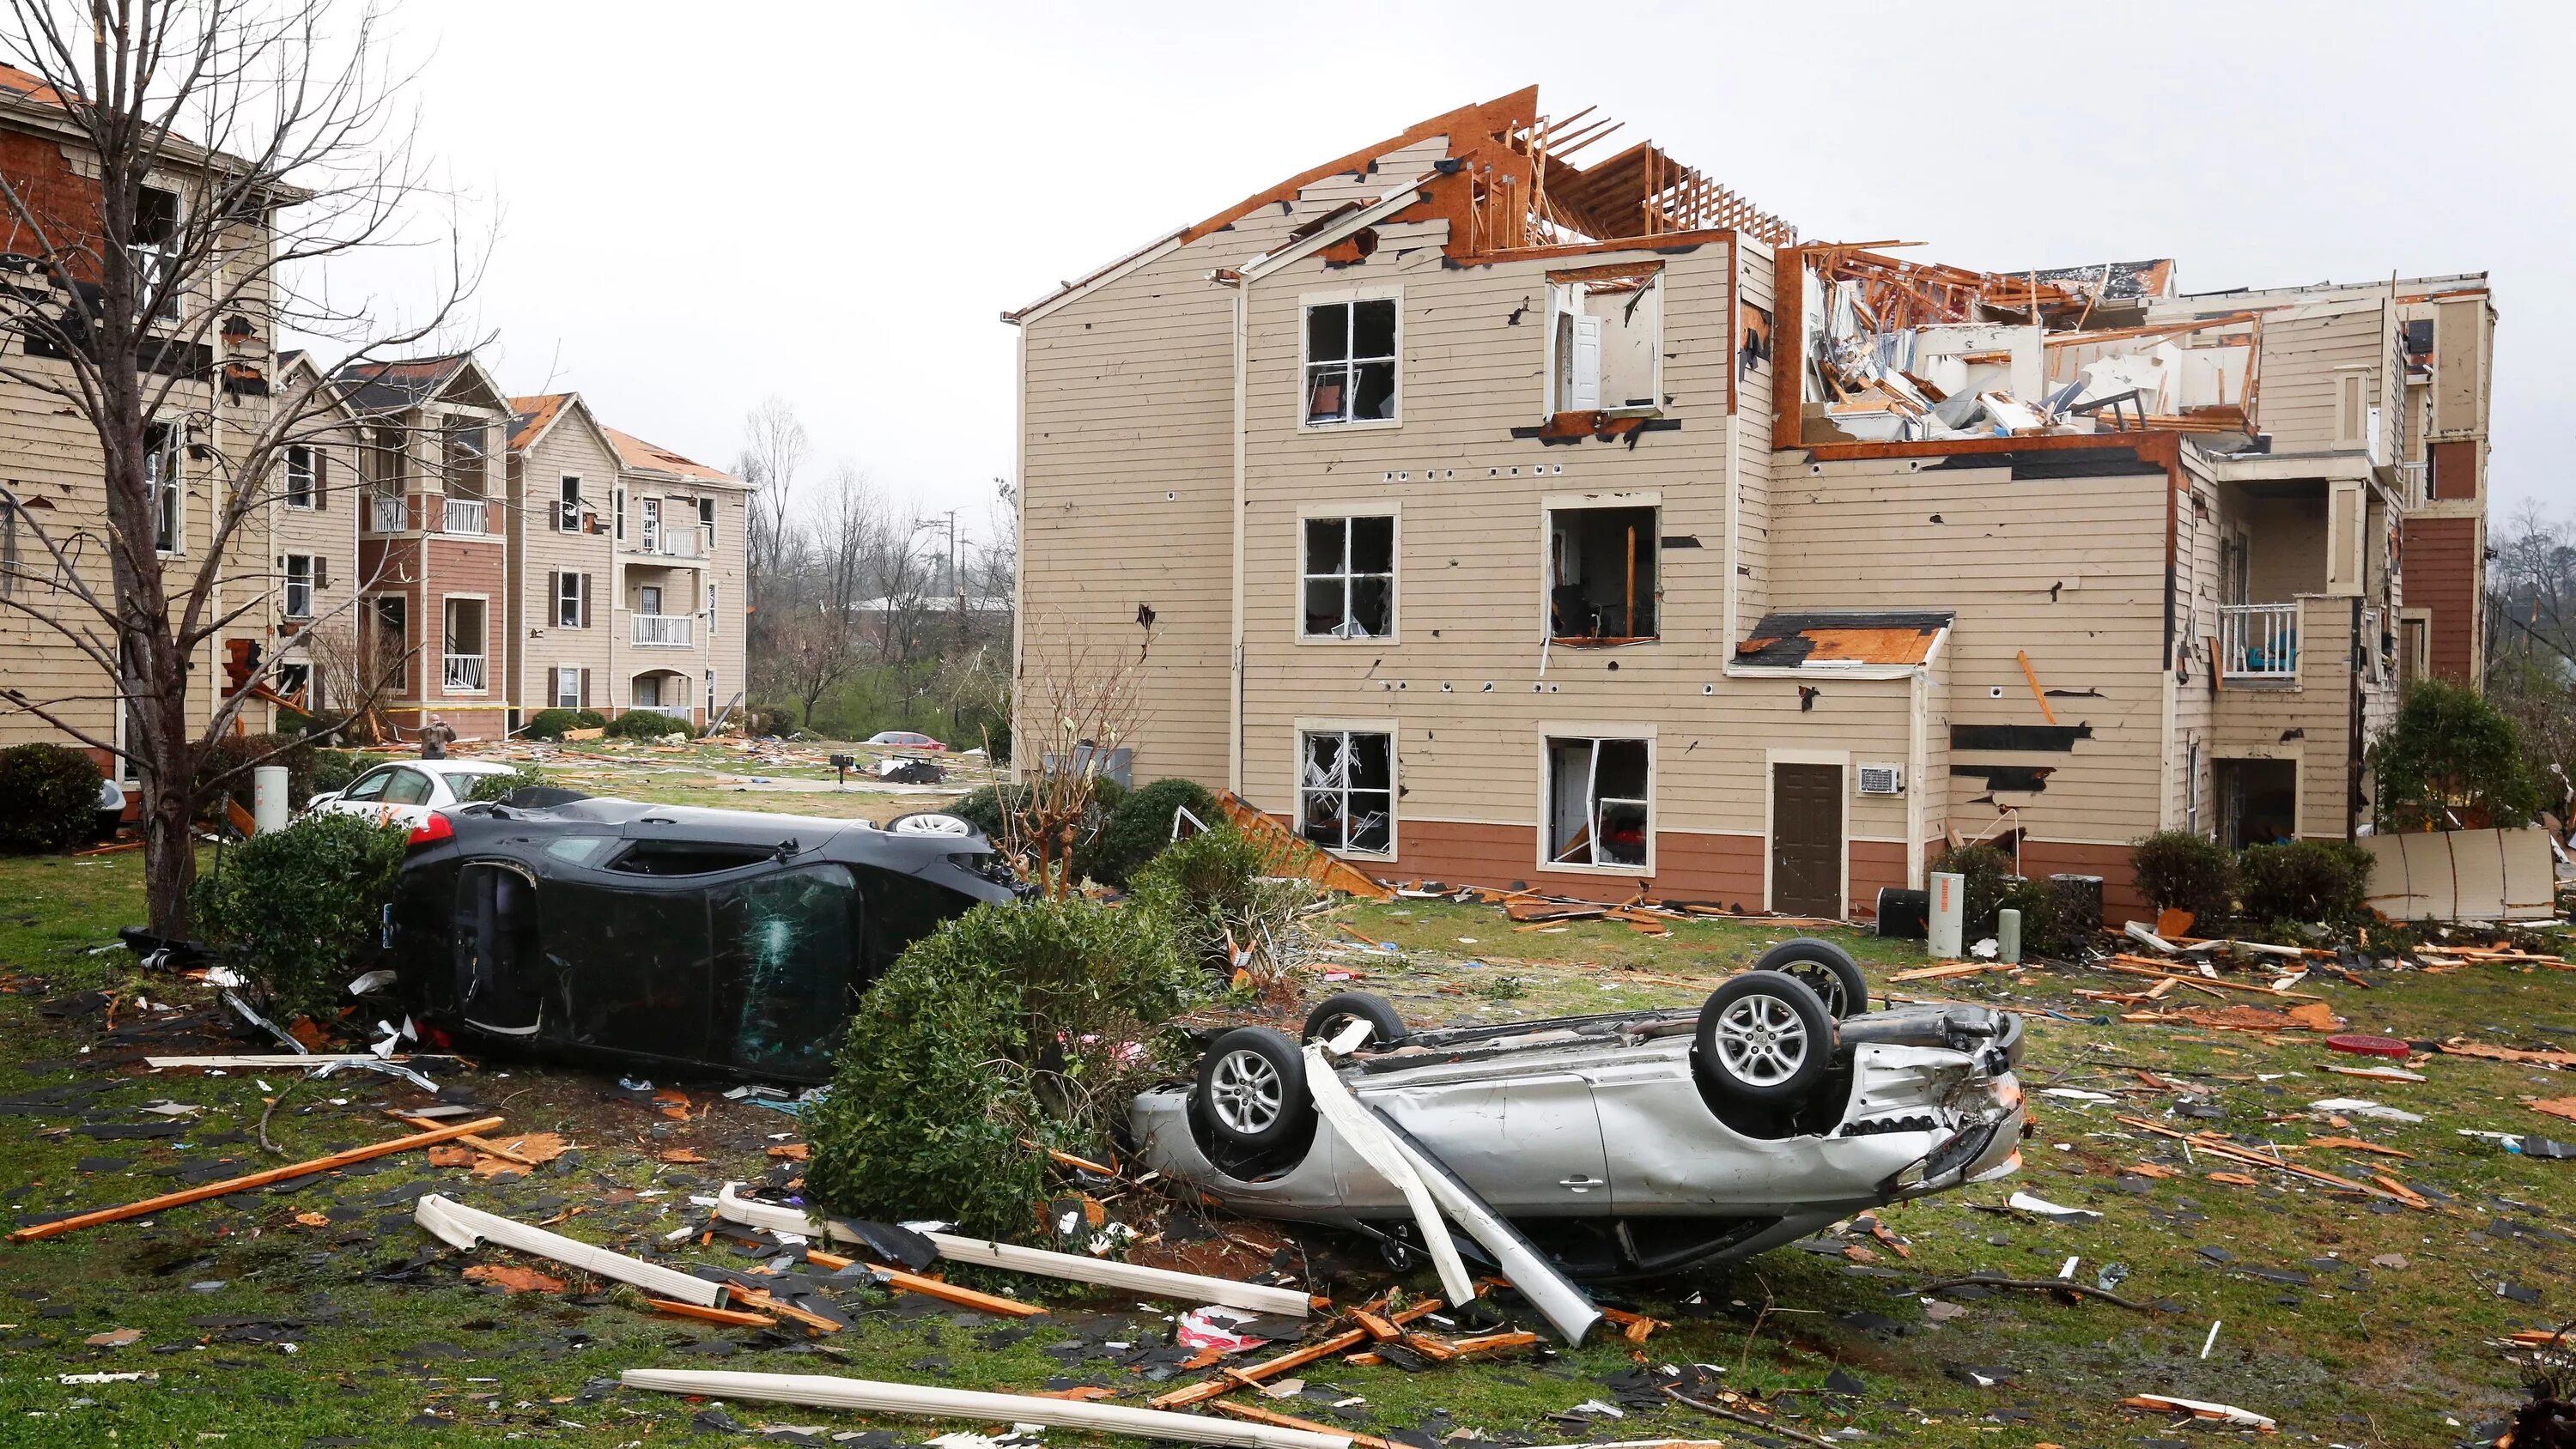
660, 935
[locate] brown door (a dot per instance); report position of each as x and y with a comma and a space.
1807, 840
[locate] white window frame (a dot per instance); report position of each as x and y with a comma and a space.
1348, 297
568, 503
1561, 301
1552, 504
1770, 792
443, 655
567, 593
1297, 788
300, 452
707, 524
292, 583
648, 527
618, 497
711, 608
711, 694
1561, 730
567, 682
167, 475
1392, 512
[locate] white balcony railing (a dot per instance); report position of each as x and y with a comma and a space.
391, 515
2415, 482
2259, 641
670, 631
465, 515
671, 543
464, 672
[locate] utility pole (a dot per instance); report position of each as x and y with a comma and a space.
956, 590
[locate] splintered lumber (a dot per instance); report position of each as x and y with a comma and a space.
2220, 1147
1635, 1327
1322, 1348
1285, 1421
2355, 1144
923, 1401
726, 1316
1287, 854
768, 1303
1130, 1277
459, 1226
2200, 1409
2140, 966
1506, 1342
480, 1144
951, 1293
1949, 969
229, 1185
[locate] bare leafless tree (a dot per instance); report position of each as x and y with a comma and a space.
812, 652
2531, 647
239, 147
774, 450
1081, 697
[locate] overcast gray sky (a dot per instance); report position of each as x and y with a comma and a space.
701, 206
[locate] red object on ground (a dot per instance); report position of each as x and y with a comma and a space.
2370, 1046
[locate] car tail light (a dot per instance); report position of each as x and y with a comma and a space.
430, 831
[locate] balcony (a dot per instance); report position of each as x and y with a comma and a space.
464, 515
388, 515
2415, 482
672, 543
664, 631
464, 673
2259, 643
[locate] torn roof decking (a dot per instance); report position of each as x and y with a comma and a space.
1506, 188
1808, 638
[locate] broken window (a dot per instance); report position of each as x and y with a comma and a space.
161, 481
464, 658
154, 250
568, 504
299, 586
500, 958
1350, 361
1346, 791
785, 944
299, 477
1597, 810
1605, 341
689, 857
569, 589
1349, 578
1601, 565
463, 458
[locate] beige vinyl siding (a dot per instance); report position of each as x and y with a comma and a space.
327, 531
1127, 493
2311, 723
537, 643
1754, 394
2306, 353
1861, 535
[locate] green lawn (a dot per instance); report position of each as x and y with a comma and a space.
390, 1346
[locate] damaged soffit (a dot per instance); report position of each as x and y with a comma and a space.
1824, 639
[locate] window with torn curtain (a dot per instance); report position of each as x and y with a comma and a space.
1348, 581
1346, 790
1350, 361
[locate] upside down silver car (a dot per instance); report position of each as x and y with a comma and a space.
1623, 1144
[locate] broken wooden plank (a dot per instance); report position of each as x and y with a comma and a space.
1284, 1421
728, 1316
229, 1185
924, 1401
460, 1226
1322, 1348
484, 1145
951, 1293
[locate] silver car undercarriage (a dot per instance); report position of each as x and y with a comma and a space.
1616, 1142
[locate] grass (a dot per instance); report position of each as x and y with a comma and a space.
391, 1347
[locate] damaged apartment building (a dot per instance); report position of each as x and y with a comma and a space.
1529, 508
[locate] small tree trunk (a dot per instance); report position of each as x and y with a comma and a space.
169, 856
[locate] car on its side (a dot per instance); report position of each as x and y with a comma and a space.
1626, 1144
406, 792
902, 740
667, 937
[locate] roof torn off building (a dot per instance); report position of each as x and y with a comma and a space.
1903, 351
1821, 639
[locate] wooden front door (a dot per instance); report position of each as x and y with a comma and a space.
1807, 840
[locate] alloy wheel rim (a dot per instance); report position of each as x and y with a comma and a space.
1824, 981
1245, 1092
1762, 1040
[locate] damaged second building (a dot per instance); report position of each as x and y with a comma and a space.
1517, 505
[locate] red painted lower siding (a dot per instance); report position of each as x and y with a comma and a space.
2442, 574
1871, 864
1723, 870
2041, 859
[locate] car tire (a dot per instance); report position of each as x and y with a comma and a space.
1764, 1037
1326, 1021
1828, 970
1252, 1089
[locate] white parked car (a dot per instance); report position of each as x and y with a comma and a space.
406, 793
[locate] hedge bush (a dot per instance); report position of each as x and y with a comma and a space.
1990, 887
2181, 871
295, 752
291, 909
2451, 760
334, 769
2304, 881
554, 724
48, 797
1141, 826
1022, 1021
493, 787
1199, 887
648, 724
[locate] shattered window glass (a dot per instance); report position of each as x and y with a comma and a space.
1350, 361
499, 961
579, 848
1598, 811
1348, 580
785, 945
1346, 791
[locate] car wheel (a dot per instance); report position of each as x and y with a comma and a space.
1764, 1037
1327, 1021
1828, 970
1252, 1088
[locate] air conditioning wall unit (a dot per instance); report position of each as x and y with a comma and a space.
1882, 779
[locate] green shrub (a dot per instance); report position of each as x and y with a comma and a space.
2451, 760
493, 787
334, 769
1990, 886
2305, 881
48, 797
1200, 887
986, 807
2180, 871
221, 767
290, 908
554, 724
1141, 826
647, 724
1016, 1021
